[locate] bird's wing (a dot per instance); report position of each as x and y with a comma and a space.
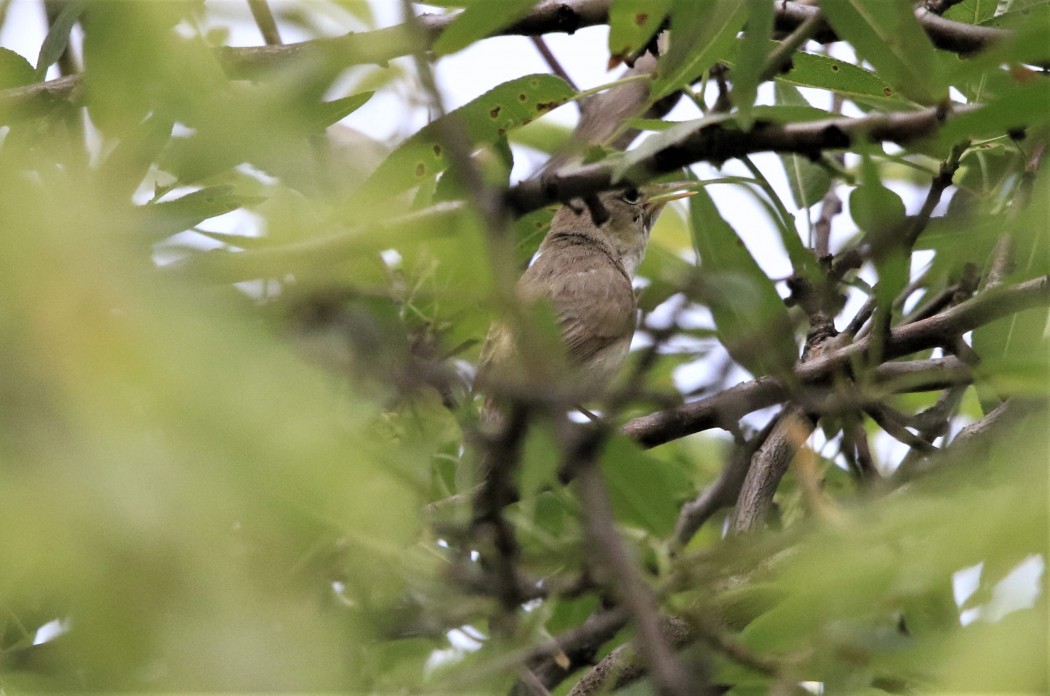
595, 306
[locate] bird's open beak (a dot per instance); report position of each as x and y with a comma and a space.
659, 200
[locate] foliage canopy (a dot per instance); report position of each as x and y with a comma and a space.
239, 447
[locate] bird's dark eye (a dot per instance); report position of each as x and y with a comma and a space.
632, 196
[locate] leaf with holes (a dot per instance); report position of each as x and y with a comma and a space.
887, 35
482, 121
844, 79
632, 24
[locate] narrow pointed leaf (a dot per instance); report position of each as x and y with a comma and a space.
57, 38
479, 20
754, 51
808, 182
701, 32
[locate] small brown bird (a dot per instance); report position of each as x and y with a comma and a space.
584, 272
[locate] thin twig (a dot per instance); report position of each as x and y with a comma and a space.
621, 572
888, 421
830, 206
552, 61
264, 20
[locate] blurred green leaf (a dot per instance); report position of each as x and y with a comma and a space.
743, 300
643, 491
479, 20
752, 58
541, 135
666, 138
170, 217
1020, 108
15, 71
875, 208
1030, 13
159, 72
58, 36
702, 31
327, 113
483, 121
789, 113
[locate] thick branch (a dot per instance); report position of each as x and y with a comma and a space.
944, 33
715, 143
554, 661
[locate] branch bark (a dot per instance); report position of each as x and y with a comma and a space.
715, 143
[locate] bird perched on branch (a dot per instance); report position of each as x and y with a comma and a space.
583, 272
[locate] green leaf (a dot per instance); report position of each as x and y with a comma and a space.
58, 36
1035, 13
972, 11
15, 71
886, 34
479, 20
644, 492
170, 217
701, 32
632, 24
784, 113
327, 113
667, 273
155, 71
808, 182
752, 321
1016, 345
880, 213
1025, 107
543, 136
128, 162
875, 208
845, 79
483, 121
754, 50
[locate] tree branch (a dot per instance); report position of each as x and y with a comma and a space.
622, 575
732, 404
716, 143
945, 34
